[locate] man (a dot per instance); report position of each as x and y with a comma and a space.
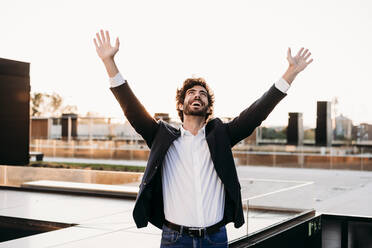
190, 188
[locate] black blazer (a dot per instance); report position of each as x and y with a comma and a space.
221, 137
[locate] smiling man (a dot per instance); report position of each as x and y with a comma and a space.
190, 187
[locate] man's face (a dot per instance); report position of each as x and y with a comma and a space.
196, 101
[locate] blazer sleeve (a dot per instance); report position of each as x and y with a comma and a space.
138, 117
243, 125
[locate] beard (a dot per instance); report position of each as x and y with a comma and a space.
195, 112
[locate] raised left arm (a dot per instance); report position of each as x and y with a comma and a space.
244, 124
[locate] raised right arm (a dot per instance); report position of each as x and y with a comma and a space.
135, 112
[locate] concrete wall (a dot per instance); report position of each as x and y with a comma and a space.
16, 175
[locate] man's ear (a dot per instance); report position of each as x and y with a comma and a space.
209, 110
180, 106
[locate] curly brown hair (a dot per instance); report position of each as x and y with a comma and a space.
188, 84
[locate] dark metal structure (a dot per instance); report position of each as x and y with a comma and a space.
323, 131
311, 230
69, 125
14, 112
295, 130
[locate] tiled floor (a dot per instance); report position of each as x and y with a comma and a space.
101, 222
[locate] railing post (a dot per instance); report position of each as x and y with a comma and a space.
247, 216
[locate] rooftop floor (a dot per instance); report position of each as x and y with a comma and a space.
99, 221
104, 221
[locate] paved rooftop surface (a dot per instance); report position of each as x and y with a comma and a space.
333, 191
108, 221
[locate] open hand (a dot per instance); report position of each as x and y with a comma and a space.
299, 62
103, 46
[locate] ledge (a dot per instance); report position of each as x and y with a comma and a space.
100, 189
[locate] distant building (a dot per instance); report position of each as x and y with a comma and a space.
102, 128
363, 132
85, 128
343, 127
40, 127
69, 126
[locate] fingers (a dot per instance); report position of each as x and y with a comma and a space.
304, 53
305, 56
95, 43
99, 39
108, 37
103, 36
103, 45
299, 52
117, 43
289, 53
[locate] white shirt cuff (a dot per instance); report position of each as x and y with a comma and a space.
117, 80
282, 85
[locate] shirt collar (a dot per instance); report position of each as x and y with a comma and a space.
187, 133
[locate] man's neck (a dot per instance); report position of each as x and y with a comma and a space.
193, 123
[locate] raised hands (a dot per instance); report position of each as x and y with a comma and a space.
297, 63
103, 46
107, 52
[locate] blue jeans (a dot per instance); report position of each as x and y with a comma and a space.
174, 239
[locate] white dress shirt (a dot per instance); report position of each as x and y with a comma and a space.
193, 194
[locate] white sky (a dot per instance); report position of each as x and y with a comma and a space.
239, 47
